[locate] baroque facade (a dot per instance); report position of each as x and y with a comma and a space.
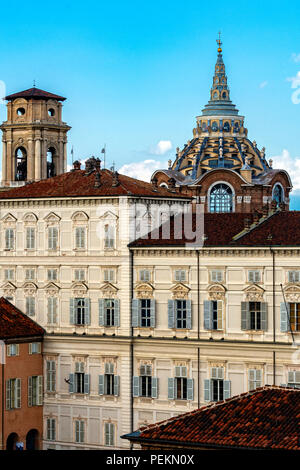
142, 328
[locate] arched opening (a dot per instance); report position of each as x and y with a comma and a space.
11, 441
278, 193
51, 170
221, 198
32, 440
21, 164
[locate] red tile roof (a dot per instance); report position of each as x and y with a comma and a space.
34, 93
77, 184
15, 324
266, 418
222, 229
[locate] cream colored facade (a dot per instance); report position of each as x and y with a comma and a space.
230, 350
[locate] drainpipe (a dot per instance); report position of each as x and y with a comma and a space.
3, 397
198, 323
273, 308
131, 343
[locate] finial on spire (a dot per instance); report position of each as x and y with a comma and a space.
219, 42
33, 83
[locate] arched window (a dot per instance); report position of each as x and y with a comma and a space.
21, 164
221, 198
278, 193
51, 171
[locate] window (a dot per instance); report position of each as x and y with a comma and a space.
294, 379
30, 238
254, 316
13, 394
144, 275
9, 238
51, 429
294, 276
179, 314
79, 431
13, 349
143, 313
216, 275
109, 312
294, 309
221, 198
79, 275
30, 306
109, 382
254, 276
80, 311
52, 310
35, 348
180, 275
216, 388
213, 314
51, 376
109, 432
254, 378
79, 382
30, 274
109, 275
80, 237
145, 385
9, 274
35, 390
180, 387
109, 240
278, 195
52, 274
52, 238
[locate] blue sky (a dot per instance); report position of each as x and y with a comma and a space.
137, 73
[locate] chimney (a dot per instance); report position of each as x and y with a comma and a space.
247, 223
77, 165
265, 210
97, 180
282, 206
154, 183
256, 217
115, 179
171, 184
273, 206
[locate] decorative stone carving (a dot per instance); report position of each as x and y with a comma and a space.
239, 199
51, 290
254, 293
144, 290
9, 220
80, 217
9, 289
216, 292
292, 293
108, 290
52, 219
180, 291
30, 219
30, 289
247, 199
79, 289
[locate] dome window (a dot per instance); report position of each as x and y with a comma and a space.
20, 111
215, 126
221, 198
51, 112
278, 193
226, 127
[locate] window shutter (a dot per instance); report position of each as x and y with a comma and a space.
171, 313
154, 387
116, 385
72, 311
30, 348
18, 384
245, 316
117, 312
171, 388
87, 304
190, 389
264, 316
208, 314
29, 391
101, 384
284, 323
8, 349
291, 376
135, 312
40, 390
220, 314
8, 394
101, 303
152, 313
136, 386
71, 383
207, 390
86, 388
227, 389
189, 314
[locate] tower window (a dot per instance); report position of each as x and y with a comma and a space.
51, 112
21, 164
50, 162
278, 194
221, 198
20, 111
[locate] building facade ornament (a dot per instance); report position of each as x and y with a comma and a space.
180, 291
144, 290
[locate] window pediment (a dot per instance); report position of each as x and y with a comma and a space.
9, 288
9, 218
144, 290
254, 293
52, 218
109, 216
80, 217
79, 289
30, 288
51, 289
108, 290
292, 293
180, 291
30, 217
216, 291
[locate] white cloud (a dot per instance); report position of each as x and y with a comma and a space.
291, 165
161, 148
142, 170
295, 57
295, 80
263, 84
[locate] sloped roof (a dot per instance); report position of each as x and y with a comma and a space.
77, 184
15, 324
34, 93
266, 418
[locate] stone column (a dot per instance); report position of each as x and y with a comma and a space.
30, 161
65, 158
3, 163
37, 175
61, 157
10, 162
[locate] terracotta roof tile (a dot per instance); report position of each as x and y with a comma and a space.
15, 324
34, 93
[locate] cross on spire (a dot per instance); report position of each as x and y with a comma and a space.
219, 42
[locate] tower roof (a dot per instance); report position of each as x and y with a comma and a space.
34, 93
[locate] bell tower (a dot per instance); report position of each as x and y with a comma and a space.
34, 137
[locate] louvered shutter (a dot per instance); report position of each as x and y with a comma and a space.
117, 312
71, 383
207, 390
135, 313
101, 385
29, 391
190, 389
40, 390
171, 313
101, 303
72, 310
171, 388
245, 316
136, 386
18, 385
87, 305
189, 314
8, 394
227, 389
264, 316
208, 314
152, 313
284, 322
116, 385
86, 386
154, 387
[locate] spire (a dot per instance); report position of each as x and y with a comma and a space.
219, 103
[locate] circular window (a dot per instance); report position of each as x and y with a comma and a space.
20, 111
51, 112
